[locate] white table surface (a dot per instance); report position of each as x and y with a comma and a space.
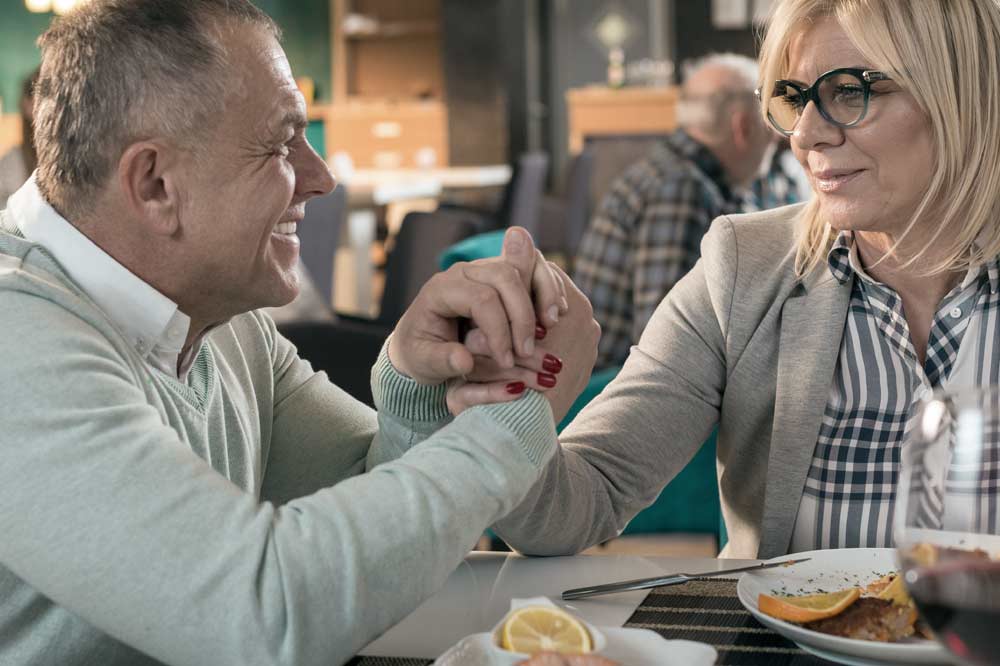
477, 595
488, 175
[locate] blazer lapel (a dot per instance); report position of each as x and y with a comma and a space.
812, 325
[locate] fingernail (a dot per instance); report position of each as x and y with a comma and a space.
553, 313
515, 240
564, 303
529, 346
546, 380
540, 332
551, 364
515, 388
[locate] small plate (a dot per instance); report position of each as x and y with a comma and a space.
634, 647
830, 570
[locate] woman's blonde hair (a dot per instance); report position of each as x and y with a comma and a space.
946, 53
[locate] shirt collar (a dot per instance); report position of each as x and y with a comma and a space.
684, 145
151, 322
844, 262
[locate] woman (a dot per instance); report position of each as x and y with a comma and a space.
805, 333
18, 162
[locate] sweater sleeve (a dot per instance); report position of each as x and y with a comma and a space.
109, 513
627, 444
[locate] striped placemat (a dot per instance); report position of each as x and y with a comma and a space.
704, 610
707, 610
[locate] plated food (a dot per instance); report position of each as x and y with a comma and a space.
552, 636
556, 659
882, 611
836, 571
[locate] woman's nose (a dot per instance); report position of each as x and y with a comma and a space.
813, 129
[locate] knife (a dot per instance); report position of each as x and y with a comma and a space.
673, 579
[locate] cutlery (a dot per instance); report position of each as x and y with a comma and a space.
672, 579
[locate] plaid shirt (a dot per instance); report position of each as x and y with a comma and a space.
849, 494
647, 235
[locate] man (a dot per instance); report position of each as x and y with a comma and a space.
648, 229
178, 486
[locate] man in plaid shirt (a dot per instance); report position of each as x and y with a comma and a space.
647, 232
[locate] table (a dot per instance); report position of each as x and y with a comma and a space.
477, 595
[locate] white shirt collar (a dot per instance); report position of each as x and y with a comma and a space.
150, 321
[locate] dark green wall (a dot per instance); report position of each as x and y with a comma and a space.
306, 25
19, 29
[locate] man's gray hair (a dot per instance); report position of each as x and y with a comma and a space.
710, 113
117, 71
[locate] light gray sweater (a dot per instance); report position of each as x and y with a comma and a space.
255, 514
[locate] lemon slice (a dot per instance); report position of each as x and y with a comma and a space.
808, 608
533, 629
896, 592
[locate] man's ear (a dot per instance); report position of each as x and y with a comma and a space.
740, 128
146, 178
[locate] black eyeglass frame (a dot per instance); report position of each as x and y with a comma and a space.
811, 94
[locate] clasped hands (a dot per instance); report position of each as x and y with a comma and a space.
495, 327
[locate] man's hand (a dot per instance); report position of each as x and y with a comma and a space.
567, 349
495, 295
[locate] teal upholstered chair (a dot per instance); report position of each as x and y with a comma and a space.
480, 246
690, 503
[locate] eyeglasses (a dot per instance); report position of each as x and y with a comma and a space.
841, 97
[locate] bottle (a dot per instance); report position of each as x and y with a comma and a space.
616, 67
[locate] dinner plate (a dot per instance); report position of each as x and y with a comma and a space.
826, 571
634, 647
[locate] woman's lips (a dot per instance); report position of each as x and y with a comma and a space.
831, 180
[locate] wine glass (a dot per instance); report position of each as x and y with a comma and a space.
947, 520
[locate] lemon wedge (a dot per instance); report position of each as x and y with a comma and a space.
807, 608
896, 592
532, 629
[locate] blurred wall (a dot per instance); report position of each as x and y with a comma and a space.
19, 29
696, 36
578, 58
475, 89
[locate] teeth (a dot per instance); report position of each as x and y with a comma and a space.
286, 228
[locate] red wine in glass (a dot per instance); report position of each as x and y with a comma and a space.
960, 601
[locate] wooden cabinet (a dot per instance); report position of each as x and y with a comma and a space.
388, 106
599, 110
389, 135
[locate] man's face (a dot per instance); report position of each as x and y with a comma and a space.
242, 198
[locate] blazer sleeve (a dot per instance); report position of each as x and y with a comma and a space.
627, 444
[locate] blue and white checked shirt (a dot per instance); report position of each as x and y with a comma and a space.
849, 493
647, 235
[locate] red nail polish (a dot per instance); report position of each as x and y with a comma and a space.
540, 331
551, 364
515, 388
546, 380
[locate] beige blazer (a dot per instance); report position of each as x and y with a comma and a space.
740, 343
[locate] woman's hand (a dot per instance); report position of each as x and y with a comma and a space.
570, 345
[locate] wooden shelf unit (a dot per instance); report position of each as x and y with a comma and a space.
388, 84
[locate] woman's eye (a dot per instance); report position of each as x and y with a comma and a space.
848, 95
792, 101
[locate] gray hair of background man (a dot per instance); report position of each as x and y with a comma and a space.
710, 113
117, 71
